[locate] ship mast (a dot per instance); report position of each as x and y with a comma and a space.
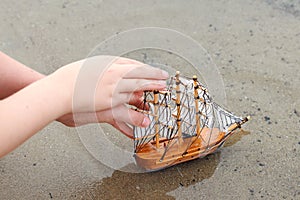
196, 97
178, 104
156, 93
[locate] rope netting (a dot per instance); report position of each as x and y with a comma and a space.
186, 101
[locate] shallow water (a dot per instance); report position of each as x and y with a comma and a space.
122, 185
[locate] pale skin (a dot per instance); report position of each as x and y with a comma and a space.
29, 100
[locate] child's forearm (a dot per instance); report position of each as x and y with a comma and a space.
14, 76
29, 110
113, 82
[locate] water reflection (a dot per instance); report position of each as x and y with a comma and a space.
156, 185
236, 137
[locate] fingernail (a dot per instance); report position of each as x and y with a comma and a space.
165, 74
146, 122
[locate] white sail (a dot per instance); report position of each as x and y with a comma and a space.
209, 114
225, 118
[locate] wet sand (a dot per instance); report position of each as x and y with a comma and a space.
256, 46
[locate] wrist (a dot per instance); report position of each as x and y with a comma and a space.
63, 82
60, 92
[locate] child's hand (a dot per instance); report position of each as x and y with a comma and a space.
104, 82
118, 117
112, 82
101, 85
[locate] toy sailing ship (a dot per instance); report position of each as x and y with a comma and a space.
185, 124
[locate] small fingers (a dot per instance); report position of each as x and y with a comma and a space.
130, 116
137, 100
137, 70
134, 85
123, 114
131, 99
127, 98
120, 117
122, 60
146, 72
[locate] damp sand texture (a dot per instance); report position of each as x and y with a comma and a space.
255, 45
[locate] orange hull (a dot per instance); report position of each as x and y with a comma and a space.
151, 158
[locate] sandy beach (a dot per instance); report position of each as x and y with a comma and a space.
255, 46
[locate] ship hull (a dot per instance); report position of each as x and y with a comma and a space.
173, 152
